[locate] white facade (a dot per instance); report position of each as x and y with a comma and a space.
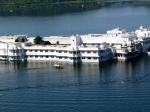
60, 39
143, 35
12, 38
115, 44
67, 53
11, 51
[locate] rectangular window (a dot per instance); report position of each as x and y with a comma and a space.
35, 50
89, 58
78, 58
88, 51
41, 50
46, 50
52, 50
47, 56
94, 52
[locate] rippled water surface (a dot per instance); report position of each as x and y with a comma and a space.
111, 86
39, 87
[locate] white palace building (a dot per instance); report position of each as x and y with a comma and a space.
115, 44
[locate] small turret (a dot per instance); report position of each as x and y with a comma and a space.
141, 27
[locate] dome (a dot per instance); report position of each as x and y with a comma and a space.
141, 27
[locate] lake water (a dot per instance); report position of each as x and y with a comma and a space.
95, 21
110, 86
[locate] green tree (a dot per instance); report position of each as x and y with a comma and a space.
38, 40
57, 42
16, 40
46, 43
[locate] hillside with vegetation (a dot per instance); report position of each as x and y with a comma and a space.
52, 7
45, 7
36, 2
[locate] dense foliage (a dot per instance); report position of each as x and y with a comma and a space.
54, 7
16, 40
41, 1
38, 40
45, 7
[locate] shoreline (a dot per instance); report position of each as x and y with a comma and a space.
58, 8
47, 9
28, 4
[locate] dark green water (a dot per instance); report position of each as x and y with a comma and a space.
106, 87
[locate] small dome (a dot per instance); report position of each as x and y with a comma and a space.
141, 27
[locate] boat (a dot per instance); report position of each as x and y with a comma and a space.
57, 66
